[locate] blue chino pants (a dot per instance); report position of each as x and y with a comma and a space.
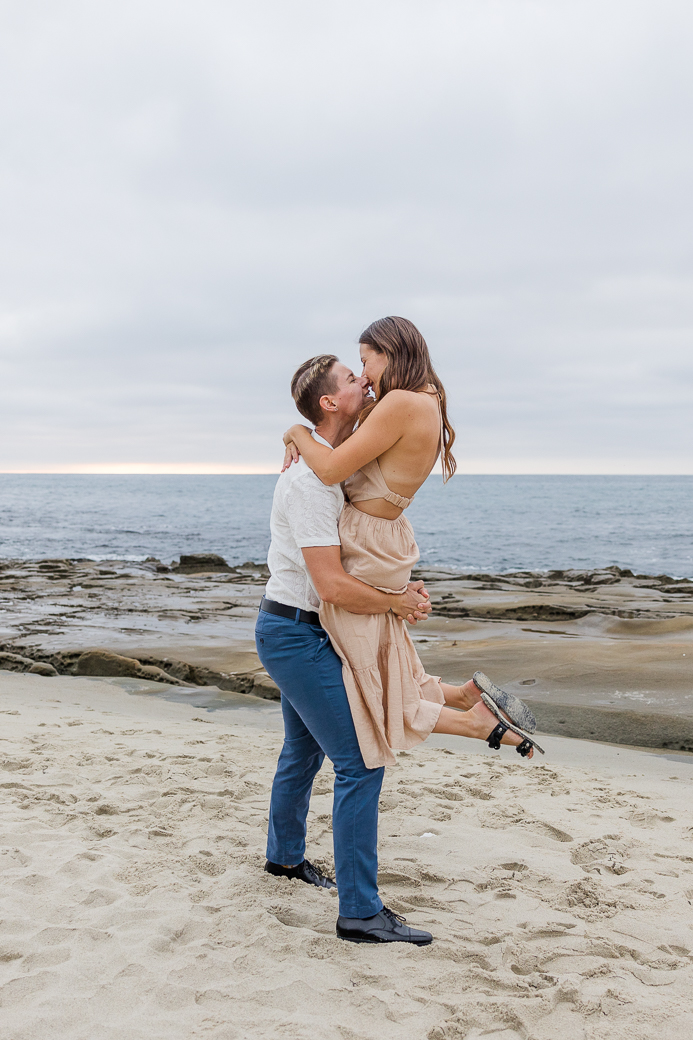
317, 722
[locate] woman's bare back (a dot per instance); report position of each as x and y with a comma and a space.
406, 465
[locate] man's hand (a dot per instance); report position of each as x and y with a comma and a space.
413, 605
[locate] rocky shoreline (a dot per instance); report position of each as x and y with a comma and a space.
599, 654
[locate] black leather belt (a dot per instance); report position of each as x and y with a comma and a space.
310, 617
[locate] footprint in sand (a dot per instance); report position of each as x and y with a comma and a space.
541, 827
100, 897
587, 900
295, 917
17, 990
647, 819
477, 1022
602, 855
12, 859
80, 864
209, 864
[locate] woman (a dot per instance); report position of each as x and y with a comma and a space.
399, 437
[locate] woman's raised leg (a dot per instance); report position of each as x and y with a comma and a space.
461, 697
477, 722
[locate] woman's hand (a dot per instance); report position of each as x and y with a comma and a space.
289, 436
292, 454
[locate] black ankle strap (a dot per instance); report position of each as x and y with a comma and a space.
494, 741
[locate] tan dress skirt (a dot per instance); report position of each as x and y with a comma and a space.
394, 703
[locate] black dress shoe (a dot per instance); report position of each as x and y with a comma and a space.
383, 927
304, 872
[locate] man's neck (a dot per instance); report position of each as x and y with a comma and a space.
335, 429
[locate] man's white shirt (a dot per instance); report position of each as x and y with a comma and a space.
305, 512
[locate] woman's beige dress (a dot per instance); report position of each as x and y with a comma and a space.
394, 703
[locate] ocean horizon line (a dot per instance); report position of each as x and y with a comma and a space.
258, 469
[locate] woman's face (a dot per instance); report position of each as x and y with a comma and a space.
374, 364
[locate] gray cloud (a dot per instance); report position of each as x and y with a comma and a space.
196, 197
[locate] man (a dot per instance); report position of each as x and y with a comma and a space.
305, 567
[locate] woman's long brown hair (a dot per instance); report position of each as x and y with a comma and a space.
408, 368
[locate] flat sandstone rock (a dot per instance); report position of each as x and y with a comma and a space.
604, 655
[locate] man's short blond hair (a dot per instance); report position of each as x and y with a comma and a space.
310, 382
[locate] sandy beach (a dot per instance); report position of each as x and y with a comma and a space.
136, 773
135, 905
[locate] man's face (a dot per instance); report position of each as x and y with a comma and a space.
350, 394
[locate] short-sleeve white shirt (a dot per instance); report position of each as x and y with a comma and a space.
305, 512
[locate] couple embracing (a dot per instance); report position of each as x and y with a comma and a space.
331, 629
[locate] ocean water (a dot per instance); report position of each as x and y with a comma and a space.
474, 523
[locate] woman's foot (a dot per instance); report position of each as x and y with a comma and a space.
461, 697
511, 707
482, 723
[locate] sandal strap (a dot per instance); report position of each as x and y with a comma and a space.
494, 739
524, 748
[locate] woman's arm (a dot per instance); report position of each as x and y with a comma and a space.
386, 424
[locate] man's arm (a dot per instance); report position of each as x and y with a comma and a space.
334, 585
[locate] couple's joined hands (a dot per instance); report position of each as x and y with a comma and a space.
412, 605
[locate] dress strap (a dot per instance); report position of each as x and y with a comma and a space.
369, 483
398, 500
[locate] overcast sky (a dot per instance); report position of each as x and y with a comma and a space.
196, 196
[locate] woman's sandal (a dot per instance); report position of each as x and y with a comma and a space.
494, 739
515, 709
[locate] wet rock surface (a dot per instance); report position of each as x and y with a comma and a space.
557, 595
80, 617
198, 563
600, 655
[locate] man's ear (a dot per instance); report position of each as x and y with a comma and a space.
327, 403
